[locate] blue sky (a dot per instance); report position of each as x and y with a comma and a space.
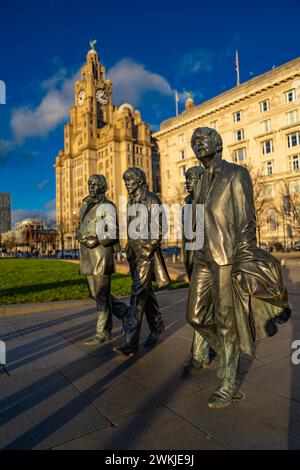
149, 50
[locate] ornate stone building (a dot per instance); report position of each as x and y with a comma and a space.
100, 138
259, 122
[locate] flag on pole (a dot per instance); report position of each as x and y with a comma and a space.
176, 101
237, 67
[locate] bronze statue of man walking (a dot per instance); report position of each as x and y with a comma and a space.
242, 282
145, 260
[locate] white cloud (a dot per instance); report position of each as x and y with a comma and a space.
131, 81
42, 184
6, 148
48, 214
198, 61
52, 110
56, 79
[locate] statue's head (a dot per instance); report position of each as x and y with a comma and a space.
191, 177
134, 178
206, 143
97, 185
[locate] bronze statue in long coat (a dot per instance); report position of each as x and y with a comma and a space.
98, 237
230, 272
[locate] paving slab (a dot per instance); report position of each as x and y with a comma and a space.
42, 409
155, 429
118, 387
280, 376
33, 352
261, 421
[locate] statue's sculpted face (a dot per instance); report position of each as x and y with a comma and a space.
95, 187
132, 183
204, 147
190, 182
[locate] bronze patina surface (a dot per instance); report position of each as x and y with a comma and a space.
146, 263
97, 255
236, 293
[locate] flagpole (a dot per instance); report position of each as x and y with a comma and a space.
237, 67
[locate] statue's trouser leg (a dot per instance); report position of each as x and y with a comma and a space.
152, 312
225, 322
142, 271
118, 308
100, 291
200, 348
211, 286
199, 312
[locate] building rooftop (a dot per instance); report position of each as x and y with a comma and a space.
234, 95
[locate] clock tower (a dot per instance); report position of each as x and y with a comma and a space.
100, 138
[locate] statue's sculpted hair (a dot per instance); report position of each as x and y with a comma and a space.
101, 179
136, 172
194, 172
201, 131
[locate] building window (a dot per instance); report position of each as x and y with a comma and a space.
183, 170
272, 220
239, 135
293, 139
239, 155
214, 125
181, 139
264, 106
290, 96
237, 117
294, 162
292, 117
269, 168
265, 125
181, 154
267, 147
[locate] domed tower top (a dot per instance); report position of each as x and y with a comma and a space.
189, 103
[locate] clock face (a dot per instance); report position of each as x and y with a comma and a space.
101, 96
81, 97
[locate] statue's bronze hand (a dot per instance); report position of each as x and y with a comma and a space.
89, 242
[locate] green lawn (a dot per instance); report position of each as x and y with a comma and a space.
43, 280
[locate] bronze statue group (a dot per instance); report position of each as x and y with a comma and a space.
236, 294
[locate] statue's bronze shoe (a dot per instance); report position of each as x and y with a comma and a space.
95, 341
193, 366
98, 339
125, 350
223, 396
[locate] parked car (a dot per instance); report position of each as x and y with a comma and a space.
171, 250
68, 254
297, 246
278, 246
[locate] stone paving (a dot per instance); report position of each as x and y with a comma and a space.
63, 395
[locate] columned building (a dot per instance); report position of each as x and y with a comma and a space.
100, 138
259, 122
5, 212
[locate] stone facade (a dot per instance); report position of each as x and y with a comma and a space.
259, 122
100, 138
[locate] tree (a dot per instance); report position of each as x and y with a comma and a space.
62, 229
289, 208
261, 200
